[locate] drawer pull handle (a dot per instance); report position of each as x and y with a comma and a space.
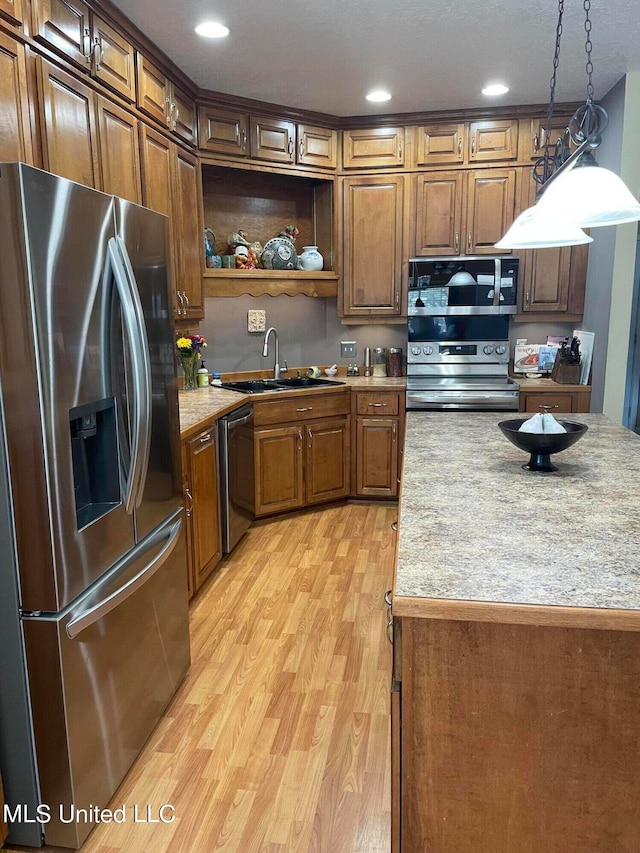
378, 405
394, 525
307, 409
205, 438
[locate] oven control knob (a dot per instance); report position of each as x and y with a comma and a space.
501, 349
427, 350
415, 350
487, 350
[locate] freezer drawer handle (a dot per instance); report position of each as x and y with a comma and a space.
93, 614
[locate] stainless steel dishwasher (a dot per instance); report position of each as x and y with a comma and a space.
237, 504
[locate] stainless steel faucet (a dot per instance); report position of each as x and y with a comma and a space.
277, 370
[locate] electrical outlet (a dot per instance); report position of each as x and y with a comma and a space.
347, 349
256, 321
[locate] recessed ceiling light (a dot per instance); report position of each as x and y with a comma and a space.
378, 95
495, 89
212, 30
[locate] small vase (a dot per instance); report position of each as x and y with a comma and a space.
189, 366
310, 259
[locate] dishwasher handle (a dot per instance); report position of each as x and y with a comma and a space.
238, 417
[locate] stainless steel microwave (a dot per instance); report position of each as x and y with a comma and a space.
473, 285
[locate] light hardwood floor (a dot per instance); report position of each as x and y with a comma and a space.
278, 740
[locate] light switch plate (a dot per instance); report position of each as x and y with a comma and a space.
256, 321
347, 349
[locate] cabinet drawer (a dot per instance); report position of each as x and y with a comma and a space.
301, 408
377, 404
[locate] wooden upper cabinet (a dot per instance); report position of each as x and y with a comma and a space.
188, 230
317, 146
64, 25
153, 90
119, 151
162, 100
272, 139
439, 213
493, 140
15, 138
71, 29
12, 10
69, 138
237, 134
373, 148
491, 195
223, 131
374, 247
171, 185
534, 133
113, 59
440, 144
551, 281
463, 213
184, 115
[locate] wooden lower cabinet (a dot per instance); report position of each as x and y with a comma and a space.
515, 737
301, 464
567, 399
202, 505
377, 420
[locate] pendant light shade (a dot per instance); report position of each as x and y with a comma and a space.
589, 196
536, 229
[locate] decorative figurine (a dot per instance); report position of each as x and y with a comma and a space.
279, 253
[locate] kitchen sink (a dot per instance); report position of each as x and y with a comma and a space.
252, 386
259, 386
306, 382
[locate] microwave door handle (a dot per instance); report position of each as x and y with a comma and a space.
497, 278
135, 333
90, 616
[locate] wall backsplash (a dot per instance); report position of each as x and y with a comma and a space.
310, 332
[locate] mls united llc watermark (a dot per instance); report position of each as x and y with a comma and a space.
69, 813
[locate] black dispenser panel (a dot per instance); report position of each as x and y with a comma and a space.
94, 446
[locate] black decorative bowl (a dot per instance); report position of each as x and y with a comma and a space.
541, 445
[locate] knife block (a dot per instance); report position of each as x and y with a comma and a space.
565, 374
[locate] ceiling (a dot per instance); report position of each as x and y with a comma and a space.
325, 56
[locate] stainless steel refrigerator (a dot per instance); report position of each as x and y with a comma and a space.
93, 592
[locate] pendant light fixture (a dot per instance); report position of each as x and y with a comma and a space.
574, 191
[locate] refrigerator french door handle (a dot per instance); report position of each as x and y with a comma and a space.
89, 617
136, 334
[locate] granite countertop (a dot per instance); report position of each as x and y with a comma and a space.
475, 527
205, 404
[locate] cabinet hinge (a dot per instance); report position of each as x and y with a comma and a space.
396, 685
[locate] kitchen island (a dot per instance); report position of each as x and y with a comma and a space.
516, 615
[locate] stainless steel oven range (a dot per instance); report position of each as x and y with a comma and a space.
458, 334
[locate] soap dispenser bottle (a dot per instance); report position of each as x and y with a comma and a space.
202, 376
